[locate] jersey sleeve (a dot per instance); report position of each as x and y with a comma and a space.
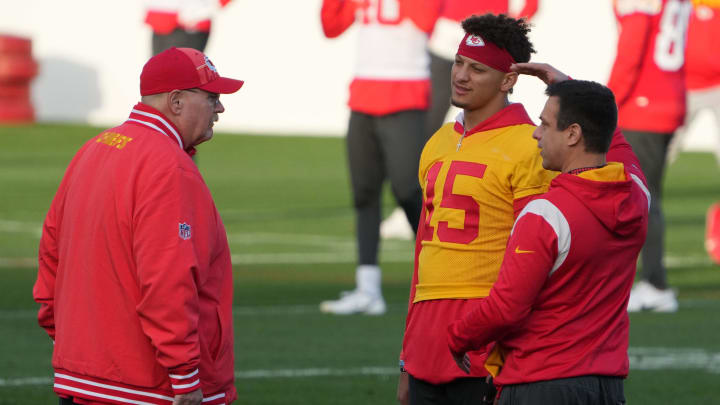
49, 257
634, 38
44, 288
529, 9
170, 223
529, 258
337, 16
621, 151
423, 14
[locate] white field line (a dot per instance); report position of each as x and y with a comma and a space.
285, 310
387, 255
291, 239
336, 249
641, 358
20, 227
307, 258
269, 310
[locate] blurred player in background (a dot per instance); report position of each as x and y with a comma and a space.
702, 67
558, 309
389, 97
442, 47
477, 174
648, 79
181, 23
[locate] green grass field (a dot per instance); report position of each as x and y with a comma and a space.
285, 203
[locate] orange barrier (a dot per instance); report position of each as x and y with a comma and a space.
17, 70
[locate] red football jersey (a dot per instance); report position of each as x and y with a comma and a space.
392, 65
460, 9
648, 77
703, 62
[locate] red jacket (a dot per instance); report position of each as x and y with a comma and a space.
703, 63
559, 307
392, 65
135, 278
648, 77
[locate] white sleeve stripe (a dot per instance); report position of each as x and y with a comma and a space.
110, 387
214, 397
103, 396
644, 189
555, 218
183, 386
180, 377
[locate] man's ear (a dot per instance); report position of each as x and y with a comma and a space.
574, 134
175, 101
509, 80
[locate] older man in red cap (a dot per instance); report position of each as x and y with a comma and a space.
135, 278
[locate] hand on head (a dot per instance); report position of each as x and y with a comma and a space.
543, 71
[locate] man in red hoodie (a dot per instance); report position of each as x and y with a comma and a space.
558, 309
135, 278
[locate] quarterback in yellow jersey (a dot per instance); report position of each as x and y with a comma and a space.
476, 175
474, 181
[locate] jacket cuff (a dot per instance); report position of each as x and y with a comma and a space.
183, 381
456, 344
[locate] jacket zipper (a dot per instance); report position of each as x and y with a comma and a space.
461, 139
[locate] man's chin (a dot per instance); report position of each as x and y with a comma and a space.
458, 104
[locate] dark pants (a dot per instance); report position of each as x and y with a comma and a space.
440, 69
463, 391
651, 149
66, 401
584, 390
380, 147
181, 39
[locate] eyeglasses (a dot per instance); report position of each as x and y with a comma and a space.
213, 99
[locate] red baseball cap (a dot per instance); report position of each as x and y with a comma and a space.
183, 68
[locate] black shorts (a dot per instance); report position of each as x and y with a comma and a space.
583, 390
462, 391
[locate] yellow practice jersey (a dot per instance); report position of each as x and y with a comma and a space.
472, 183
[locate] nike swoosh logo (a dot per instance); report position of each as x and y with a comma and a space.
517, 250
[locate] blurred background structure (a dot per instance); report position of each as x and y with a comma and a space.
93, 60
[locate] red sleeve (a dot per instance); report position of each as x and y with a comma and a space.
418, 248
529, 10
44, 289
635, 30
520, 203
337, 16
167, 270
529, 257
621, 151
423, 14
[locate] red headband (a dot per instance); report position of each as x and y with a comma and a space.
485, 52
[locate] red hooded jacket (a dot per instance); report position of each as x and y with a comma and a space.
559, 307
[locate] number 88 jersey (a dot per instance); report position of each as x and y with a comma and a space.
648, 77
472, 184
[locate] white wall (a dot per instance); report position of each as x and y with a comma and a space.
91, 53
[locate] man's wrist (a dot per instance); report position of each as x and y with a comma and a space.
402, 366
